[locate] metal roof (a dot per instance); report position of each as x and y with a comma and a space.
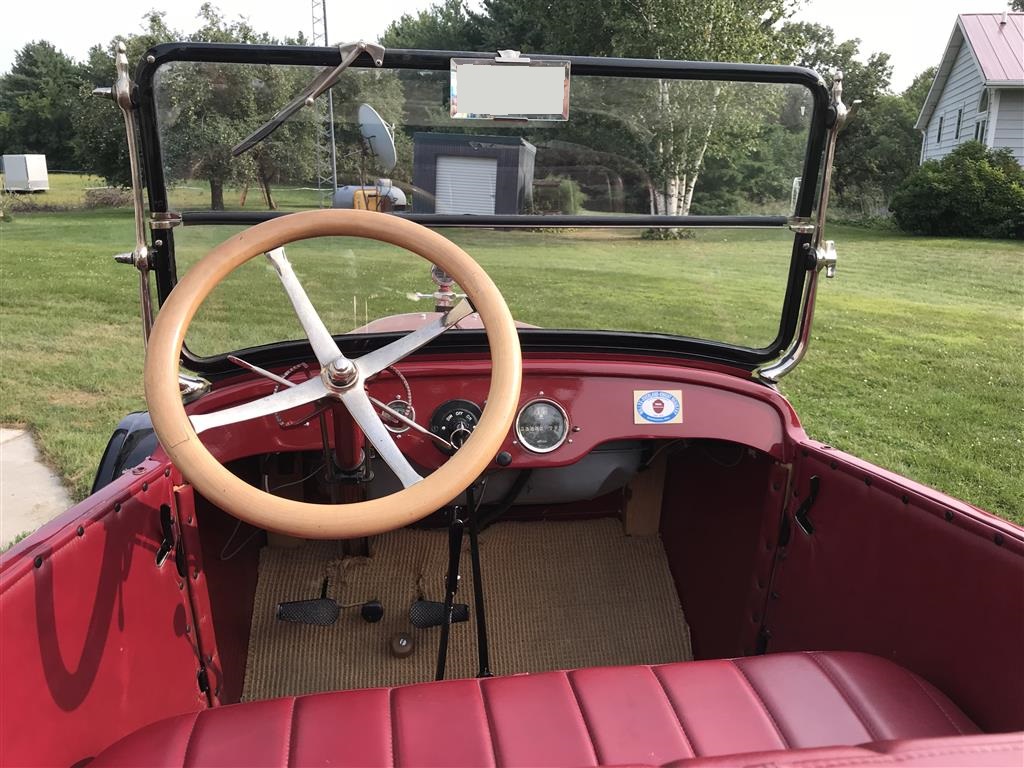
996, 40
998, 47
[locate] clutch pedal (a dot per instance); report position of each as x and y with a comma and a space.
323, 611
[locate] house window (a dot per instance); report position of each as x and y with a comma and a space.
959, 122
938, 136
983, 101
980, 130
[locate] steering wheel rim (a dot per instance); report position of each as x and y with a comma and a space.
329, 521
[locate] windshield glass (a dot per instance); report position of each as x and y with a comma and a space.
619, 217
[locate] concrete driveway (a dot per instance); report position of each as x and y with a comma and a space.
30, 492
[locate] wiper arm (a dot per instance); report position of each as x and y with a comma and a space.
328, 77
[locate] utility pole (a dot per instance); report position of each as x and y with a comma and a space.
326, 157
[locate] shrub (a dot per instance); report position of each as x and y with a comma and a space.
557, 194
971, 192
108, 197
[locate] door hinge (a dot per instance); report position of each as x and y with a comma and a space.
203, 680
802, 514
168, 542
763, 636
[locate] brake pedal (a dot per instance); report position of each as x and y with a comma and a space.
428, 613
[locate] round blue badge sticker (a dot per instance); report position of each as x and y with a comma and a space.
658, 407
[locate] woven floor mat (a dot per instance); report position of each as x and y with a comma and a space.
559, 595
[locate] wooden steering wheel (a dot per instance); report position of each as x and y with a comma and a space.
340, 379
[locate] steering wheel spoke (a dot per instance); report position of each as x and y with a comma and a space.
364, 414
324, 346
294, 396
388, 355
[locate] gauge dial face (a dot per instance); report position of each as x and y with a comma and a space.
542, 425
393, 424
455, 421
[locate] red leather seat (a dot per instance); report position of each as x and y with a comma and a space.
648, 715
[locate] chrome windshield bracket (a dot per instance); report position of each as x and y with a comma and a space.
165, 220
824, 251
192, 387
317, 87
140, 258
511, 57
802, 225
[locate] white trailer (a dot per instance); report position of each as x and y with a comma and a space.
25, 173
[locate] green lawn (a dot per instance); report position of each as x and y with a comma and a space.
915, 363
67, 190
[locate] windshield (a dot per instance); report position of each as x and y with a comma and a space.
657, 204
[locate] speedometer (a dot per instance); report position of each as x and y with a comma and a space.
542, 425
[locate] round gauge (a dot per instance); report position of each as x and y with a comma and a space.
542, 425
441, 278
455, 421
394, 425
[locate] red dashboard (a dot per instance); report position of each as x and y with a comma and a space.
603, 401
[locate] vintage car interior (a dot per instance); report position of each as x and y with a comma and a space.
537, 523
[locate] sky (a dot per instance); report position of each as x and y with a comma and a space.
913, 32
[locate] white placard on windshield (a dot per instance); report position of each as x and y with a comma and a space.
483, 89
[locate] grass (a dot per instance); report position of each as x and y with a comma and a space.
67, 190
915, 363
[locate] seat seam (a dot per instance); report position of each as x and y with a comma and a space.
583, 717
760, 700
487, 720
887, 758
844, 693
675, 712
188, 741
391, 725
933, 700
288, 733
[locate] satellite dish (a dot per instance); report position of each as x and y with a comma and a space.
378, 137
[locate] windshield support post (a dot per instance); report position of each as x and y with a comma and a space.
140, 258
821, 253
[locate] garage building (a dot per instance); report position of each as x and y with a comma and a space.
472, 174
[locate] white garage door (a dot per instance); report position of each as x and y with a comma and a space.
466, 184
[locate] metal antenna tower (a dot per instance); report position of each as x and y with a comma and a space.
326, 151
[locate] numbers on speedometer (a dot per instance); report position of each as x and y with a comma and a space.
542, 425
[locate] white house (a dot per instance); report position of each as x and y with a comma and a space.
978, 91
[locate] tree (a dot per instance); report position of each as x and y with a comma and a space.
207, 109
98, 140
669, 125
867, 147
38, 104
447, 26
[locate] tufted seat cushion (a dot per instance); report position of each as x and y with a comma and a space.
647, 715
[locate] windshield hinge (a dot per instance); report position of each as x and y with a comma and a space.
164, 220
802, 225
825, 257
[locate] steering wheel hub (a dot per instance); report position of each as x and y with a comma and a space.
340, 374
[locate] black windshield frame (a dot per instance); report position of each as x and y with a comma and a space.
534, 340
